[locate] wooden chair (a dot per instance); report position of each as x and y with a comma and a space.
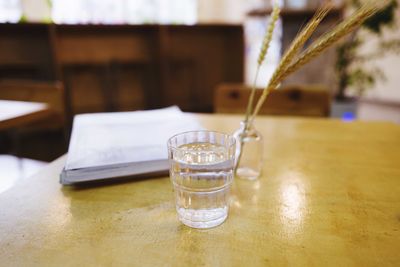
292, 100
51, 93
45, 139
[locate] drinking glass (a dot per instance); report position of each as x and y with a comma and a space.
201, 171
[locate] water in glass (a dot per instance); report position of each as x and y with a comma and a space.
202, 173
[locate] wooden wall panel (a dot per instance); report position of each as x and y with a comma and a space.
25, 52
93, 45
126, 67
86, 91
198, 61
130, 92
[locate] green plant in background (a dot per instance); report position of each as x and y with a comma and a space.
349, 64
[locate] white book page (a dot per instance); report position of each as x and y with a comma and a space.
103, 139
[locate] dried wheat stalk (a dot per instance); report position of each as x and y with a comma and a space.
263, 52
293, 63
296, 45
268, 35
300, 40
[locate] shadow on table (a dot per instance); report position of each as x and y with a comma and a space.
115, 181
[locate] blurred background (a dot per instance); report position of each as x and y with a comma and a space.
82, 56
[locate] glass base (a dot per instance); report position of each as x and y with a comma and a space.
202, 219
247, 173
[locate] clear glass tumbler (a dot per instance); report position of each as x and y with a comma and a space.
201, 171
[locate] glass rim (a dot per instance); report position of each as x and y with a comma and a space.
230, 137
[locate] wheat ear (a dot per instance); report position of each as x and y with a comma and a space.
300, 40
332, 37
327, 40
268, 35
293, 50
263, 52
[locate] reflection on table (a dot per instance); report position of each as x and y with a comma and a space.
329, 194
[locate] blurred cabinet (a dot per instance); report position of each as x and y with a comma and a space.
194, 60
25, 52
126, 67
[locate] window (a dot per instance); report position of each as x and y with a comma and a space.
10, 11
125, 11
100, 11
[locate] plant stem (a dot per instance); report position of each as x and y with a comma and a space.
246, 120
263, 52
251, 98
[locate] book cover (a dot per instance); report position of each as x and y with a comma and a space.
116, 144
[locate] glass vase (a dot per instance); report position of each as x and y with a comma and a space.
249, 152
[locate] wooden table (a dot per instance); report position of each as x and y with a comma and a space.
329, 196
17, 113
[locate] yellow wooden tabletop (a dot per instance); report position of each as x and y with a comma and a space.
329, 196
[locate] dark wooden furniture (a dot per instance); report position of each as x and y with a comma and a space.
18, 113
38, 128
50, 94
126, 67
313, 101
26, 52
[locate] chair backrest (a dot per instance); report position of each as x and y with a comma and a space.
51, 93
292, 100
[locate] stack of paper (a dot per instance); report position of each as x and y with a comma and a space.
118, 144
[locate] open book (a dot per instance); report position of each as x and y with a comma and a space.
118, 144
